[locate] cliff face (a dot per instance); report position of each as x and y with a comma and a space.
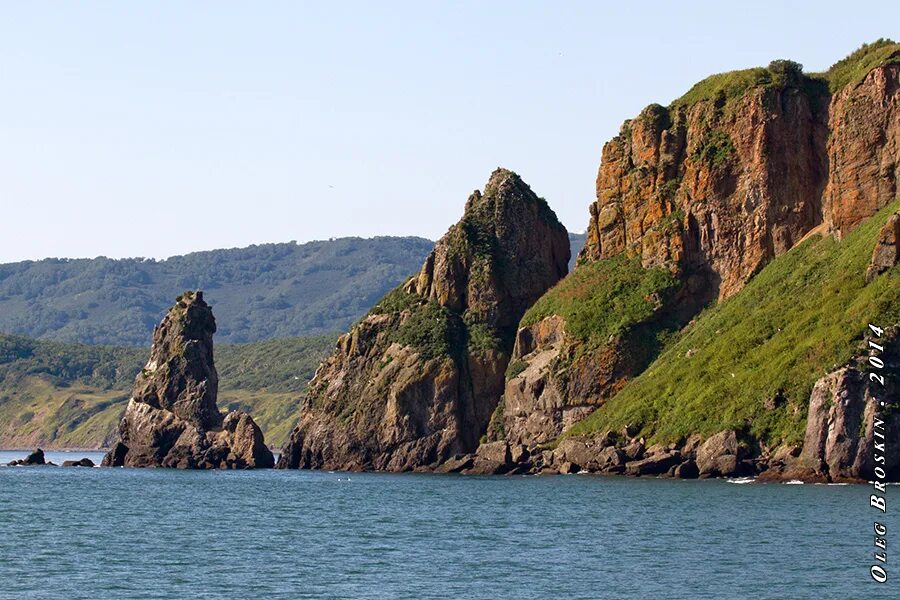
714, 189
864, 149
172, 419
719, 187
415, 382
710, 189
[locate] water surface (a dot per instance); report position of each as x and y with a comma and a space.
131, 533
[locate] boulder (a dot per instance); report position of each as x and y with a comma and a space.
686, 470
519, 454
567, 468
887, 248
692, 444
482, 466
498, 452
634, 450
456, 464
84, 462
654, 464
611, 460
492, 458
718, 456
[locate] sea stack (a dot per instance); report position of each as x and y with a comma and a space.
172, 419
414, 383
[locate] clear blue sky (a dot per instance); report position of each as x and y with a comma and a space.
159, 128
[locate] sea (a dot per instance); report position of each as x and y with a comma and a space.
82, 533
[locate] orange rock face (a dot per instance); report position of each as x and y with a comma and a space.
716, 189
864, 149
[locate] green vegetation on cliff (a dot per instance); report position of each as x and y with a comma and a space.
723, 87
269, 291
750, 362
602, 298
854, 68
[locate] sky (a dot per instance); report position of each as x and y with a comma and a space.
159, 128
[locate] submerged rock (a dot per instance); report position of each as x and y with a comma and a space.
414, 383
172, 419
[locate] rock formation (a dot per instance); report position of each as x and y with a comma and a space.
887, 249
172, 419
840, 427
84, 462
710, 189
863, 148
414, 383
715, 188
36, 458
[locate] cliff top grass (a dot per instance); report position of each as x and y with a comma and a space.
728, 85
848, 71
601, 298
853, 69
750, 362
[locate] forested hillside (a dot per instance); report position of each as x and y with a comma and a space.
260, 292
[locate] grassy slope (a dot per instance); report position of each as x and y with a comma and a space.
602, 298
853, 69
799, 318
72, 396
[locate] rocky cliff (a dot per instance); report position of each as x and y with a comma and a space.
172, 419
841, 427
415, 382
708, 190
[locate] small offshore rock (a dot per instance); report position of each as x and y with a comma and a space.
36, 458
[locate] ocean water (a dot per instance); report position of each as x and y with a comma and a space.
130, 533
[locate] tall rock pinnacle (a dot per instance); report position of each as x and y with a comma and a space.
416, 380
172, 419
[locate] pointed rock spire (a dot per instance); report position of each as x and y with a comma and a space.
172, 419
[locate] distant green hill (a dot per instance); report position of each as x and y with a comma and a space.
260, 292
72, 395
